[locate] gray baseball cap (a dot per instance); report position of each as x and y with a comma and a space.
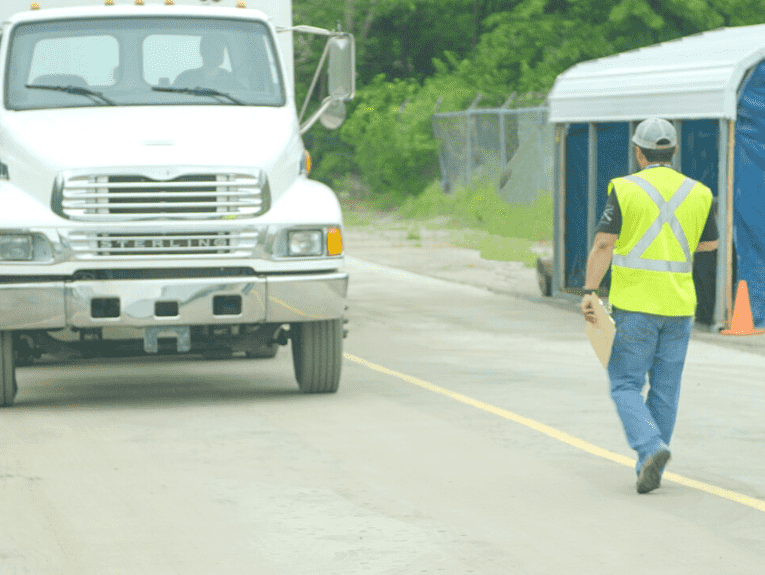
655, 134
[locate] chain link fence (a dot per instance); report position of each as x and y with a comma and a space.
511, 148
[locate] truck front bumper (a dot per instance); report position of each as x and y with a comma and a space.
150, 303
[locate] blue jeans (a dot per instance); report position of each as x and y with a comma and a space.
655, 345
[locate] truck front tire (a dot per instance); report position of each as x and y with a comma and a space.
317, 354
7, 369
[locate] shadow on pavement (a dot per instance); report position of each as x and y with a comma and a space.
158, 382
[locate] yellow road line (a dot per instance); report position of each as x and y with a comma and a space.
752, 502
294, 310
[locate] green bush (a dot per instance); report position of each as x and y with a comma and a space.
392, 152
413, 54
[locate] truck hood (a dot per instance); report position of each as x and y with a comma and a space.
152, 135
38, 145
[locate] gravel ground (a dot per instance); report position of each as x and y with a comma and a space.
433, 255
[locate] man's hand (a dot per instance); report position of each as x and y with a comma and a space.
588, 309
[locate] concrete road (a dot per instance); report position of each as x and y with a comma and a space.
472, 433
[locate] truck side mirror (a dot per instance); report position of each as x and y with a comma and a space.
342, 67
340, 52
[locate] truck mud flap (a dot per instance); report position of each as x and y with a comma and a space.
151, 336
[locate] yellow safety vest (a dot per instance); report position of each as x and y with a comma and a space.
663, 215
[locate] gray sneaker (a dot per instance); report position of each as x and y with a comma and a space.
650, 473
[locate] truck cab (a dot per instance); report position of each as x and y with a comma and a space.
155, 187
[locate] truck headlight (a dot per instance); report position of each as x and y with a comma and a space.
17, 247
305, 243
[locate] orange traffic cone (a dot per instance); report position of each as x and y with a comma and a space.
742, 322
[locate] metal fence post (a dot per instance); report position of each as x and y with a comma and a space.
470, 122
502, 136
468, 148
677, 160
439, 138
540, 146
724, 283
502, 145
559, 209
592, 182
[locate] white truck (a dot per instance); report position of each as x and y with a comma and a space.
153, 185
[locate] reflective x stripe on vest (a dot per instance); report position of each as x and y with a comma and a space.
634, 259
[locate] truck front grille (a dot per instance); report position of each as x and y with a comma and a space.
94, 245
124, 197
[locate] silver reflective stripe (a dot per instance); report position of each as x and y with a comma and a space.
634, 259
651, 265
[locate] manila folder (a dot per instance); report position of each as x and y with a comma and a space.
601, 333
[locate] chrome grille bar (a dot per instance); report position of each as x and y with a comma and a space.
161, 195
118, 208
130, 197
154, 184
117, 217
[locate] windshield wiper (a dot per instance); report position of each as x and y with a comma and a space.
199, 92
92, 94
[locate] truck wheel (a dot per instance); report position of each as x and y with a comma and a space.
7, 369
317, 354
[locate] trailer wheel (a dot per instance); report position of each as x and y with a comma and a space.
317, 355
7, 369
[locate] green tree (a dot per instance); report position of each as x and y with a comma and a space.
414, 53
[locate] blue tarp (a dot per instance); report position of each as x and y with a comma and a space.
613, 162
700, 160
749, 192
700, 157
576, 205
613, 147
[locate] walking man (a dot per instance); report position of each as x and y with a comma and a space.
653, 222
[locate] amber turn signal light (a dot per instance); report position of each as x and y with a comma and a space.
334, 241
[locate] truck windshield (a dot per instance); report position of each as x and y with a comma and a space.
142, 62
